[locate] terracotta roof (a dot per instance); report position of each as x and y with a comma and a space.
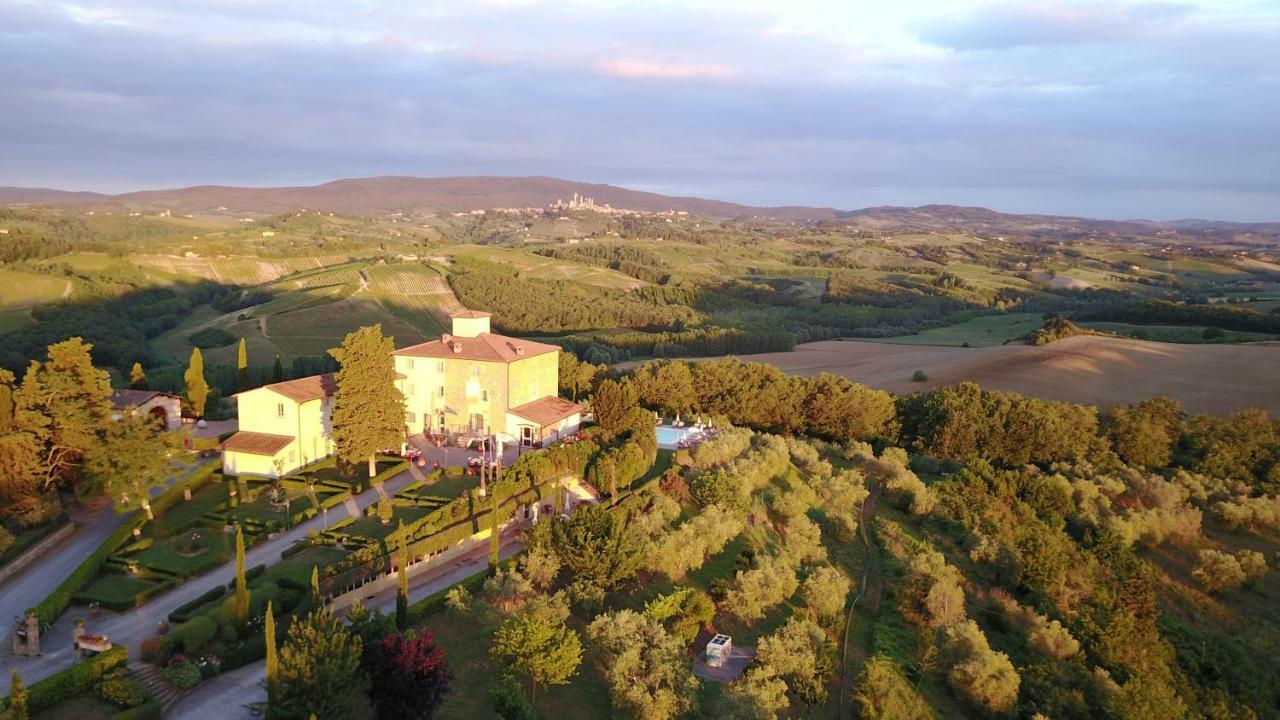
485, 347
547, 411
471, 314
303, 389
125, 399
255, 443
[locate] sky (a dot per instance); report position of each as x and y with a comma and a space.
1113, 109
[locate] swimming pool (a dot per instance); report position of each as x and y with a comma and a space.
669, 437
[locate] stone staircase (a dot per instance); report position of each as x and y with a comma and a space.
159, 688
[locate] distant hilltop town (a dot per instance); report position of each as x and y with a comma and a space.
580, 202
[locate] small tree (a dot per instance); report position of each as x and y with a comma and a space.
242, 585
242, 367
386, 511
368, 408
983, 675
803, 656
540, 566
546, 651
137, 377
197, 387
882, 691
319, 668
825, 591
648, 672
17, 698
277, 371
409, 677
131, 460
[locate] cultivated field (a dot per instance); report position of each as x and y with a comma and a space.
1091, 370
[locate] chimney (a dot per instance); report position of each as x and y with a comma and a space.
457, 347
519, 349
446, 338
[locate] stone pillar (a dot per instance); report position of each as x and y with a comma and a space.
77, 632
33, 635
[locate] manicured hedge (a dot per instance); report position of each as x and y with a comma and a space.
149, 710
184, 612
76, 679
56, 603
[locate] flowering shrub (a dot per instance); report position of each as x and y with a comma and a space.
182, 673
121, 690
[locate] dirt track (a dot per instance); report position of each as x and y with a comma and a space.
1090, 370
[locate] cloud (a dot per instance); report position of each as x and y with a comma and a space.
1017, 24
737, 101
631, 68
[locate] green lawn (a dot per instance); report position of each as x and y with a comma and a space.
188, 512
114, 590
372, 528
164, 555
984, 331
449, 486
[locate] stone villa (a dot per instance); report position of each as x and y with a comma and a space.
470, 383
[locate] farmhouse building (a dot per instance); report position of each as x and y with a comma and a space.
471, 383
474, 382
283, 426
166, 408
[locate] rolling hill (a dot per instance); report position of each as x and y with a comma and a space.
402, 194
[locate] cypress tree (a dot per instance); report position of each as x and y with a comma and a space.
242, 585
242, 367
402, 592
197, 388
368, 408
17, 698
273, 664
494, 543
277, 371
315, 584
138, 377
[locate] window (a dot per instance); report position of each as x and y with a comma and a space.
409, 363
440, 391
475, 371
409, 417
292, 455
440, 366
484, 395
410, 386
279, 410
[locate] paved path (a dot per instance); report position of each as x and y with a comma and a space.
37, 580
133, 627
227, 696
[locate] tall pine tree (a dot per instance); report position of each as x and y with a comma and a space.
368, 408
197, 388
242, 367
64, 403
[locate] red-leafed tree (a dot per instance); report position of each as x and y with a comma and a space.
409, 677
